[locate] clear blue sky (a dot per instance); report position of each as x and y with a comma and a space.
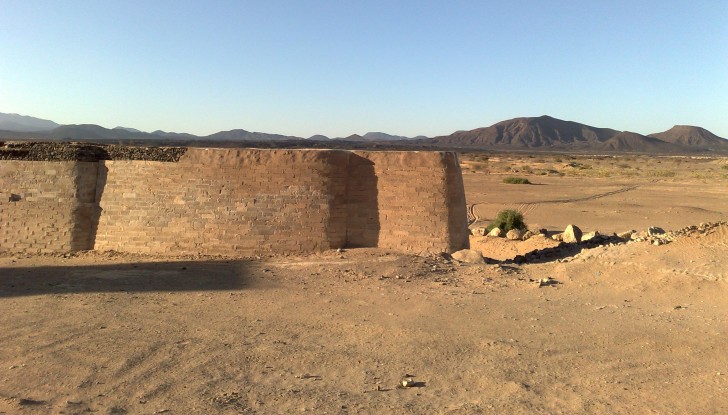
343, 67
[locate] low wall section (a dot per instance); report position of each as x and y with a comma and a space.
236, 202
47, 206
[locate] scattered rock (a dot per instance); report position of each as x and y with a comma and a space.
528, 234
408, 382
558, 237
589, 236
572, 234
41, 151
495, 232
654, 230
545, 282
469, 256
638, 235
625, 235
479, 231
515, 234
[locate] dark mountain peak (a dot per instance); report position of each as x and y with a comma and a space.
25, 123
692, 136
530, 132
244, 135
379, 136
131, 130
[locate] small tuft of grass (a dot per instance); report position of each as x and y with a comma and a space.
516, 180
580, 166
663, 173
724, 167
508, 219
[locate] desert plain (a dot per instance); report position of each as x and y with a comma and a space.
621, 327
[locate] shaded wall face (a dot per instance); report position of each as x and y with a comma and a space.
47, 206
418, 198
227, 202
362, 203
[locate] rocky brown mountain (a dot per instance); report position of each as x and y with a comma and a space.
689, 135
548, 133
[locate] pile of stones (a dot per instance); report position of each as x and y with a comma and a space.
54, 151
572, 234
657, 236
572, 241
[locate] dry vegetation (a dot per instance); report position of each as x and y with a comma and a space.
630, 166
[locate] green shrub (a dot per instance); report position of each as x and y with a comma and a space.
516, 180
508, 219
724, 167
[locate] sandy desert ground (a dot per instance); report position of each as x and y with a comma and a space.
621, 328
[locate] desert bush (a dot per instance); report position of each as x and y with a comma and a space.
516, 180
508, 219
581, 166
663, 173
724, 167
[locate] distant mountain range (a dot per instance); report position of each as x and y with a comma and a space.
548, 133
24, 123
528, 133
26, 127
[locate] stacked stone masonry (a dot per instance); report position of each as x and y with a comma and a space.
236, 202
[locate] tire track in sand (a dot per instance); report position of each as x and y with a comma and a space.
527, 207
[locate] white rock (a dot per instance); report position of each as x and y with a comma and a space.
514, 234
572, 234
590, 235
496, 232
469, 255
625, 235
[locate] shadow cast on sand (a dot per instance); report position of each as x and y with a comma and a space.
562, 251
130, 277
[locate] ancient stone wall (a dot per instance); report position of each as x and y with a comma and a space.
409, 201
227, 202
236, 202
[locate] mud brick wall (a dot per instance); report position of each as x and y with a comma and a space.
407, 201
226, 202
47, 206
236, 202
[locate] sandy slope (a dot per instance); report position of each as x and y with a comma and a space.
629, 328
